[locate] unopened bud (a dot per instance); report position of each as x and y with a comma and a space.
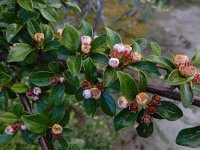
39, 37
96, 93
142, 98
122, 102
86, 40
87, 94
119, 48
113, 62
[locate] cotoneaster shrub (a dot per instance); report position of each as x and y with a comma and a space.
41, 65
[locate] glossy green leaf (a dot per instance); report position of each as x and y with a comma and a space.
109, 76
26, 4
189, 137
4, 79
12, 30
145, 130
49, 13
169, 111
112, 38
162, 61
56, 67
56, 95
5, 139
74, 5
143, 82
8, 117
85, 29
90, 70
155, 49
36, 123
128, 85
187, 94
33, 27
70, 38
90, 106
74, 64
19, 88
41, 78
124, 119
142, 43
98, 42
107, 104
56, 114
176, 79
19, 52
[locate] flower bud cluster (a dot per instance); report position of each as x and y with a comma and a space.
92, 91
122, 54
12, 129
35, 92
56, 79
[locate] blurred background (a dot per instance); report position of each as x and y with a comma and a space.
173, 24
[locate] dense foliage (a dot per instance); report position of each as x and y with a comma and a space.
43, 68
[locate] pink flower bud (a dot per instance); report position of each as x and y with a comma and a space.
62, 79
37, 91
96, 93
86, 40
59, 32
85, 48
9, 130
136, 57
146, 119
122, 102
179, 59
35, 98
39, 37
119, 48
87, 94
187, 69
23, 127
56, 130
113, 62
127, 48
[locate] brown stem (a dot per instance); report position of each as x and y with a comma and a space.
169, 93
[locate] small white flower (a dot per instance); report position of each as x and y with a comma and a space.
62, 79
122, 102
23, 127
59, 32
37, 91
113, 62
86, 40
119, 47
87, 94
9, 130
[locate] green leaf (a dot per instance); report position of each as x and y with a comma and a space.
12, 30
187, 94
25, 15
3, 100
98, 42
112, 38
36, 123
107, 104
155, 49
8, 117
41, 78
49, 13
70, 38
19, 88
169, 111
74, 64
147, 68
33, 27
176, 79
65, 119
79, 94
90, 106
136, 47
143, 82
19, 52
90, 70
110, 75
39, 4
85, 29
189, 137
124, 119
128, 85
56, 114
5, 139
142, 43
74, 5
56, 67
56, 95
145, 130
162, 61
28, 5
196, 58
4, 79
17, 110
